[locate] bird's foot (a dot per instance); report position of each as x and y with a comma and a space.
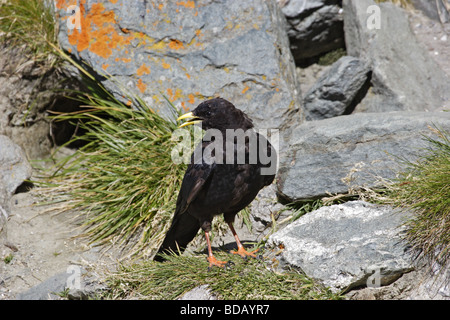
221, 264
244, 253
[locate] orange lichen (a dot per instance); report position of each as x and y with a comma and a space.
191, 98
141, 86
174, 96
165, 65
143, 70
183, 105
105, 66
64, 4
186, 4
245, 89
176, 44
98, 32
125, 60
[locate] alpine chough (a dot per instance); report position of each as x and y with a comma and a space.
234, 164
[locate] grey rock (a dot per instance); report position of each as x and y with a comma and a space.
435, 9
294, 8
314, 27
419, 284
348, 245
266, 209
335, 91
14, 170
191, 51
75, 283
26, 94
334, 155
199, 293
47, 290
404, 76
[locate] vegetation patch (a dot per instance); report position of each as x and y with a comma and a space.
123, 179
249, 280
424, 186
31, 22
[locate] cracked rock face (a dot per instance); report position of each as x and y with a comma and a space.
189, 51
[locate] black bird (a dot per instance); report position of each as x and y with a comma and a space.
213, 185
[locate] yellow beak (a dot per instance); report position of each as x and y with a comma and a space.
188, 115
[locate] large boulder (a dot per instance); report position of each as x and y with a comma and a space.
404, 77
337, 154
314, 27
346, 246
188, 51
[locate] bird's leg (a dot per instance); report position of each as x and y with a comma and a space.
241, 250
211, 259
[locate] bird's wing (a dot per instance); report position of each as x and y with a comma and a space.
197, 174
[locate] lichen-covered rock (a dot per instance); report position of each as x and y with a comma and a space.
188, 51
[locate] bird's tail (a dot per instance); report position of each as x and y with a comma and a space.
183, 229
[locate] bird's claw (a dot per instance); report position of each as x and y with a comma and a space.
221, 264
245, 254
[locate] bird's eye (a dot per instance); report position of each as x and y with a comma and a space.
208, 113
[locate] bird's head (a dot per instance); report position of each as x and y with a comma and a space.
219, 114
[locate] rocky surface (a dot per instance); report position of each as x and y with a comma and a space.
346, 246
45, 256
14, 170
419, 284
435, 10
403, 76
335, 93
334, 155
190, 51
314, 27
199, 293
29, 89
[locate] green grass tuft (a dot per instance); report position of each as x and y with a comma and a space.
425, 187
249, 280
123, 180
30, 22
